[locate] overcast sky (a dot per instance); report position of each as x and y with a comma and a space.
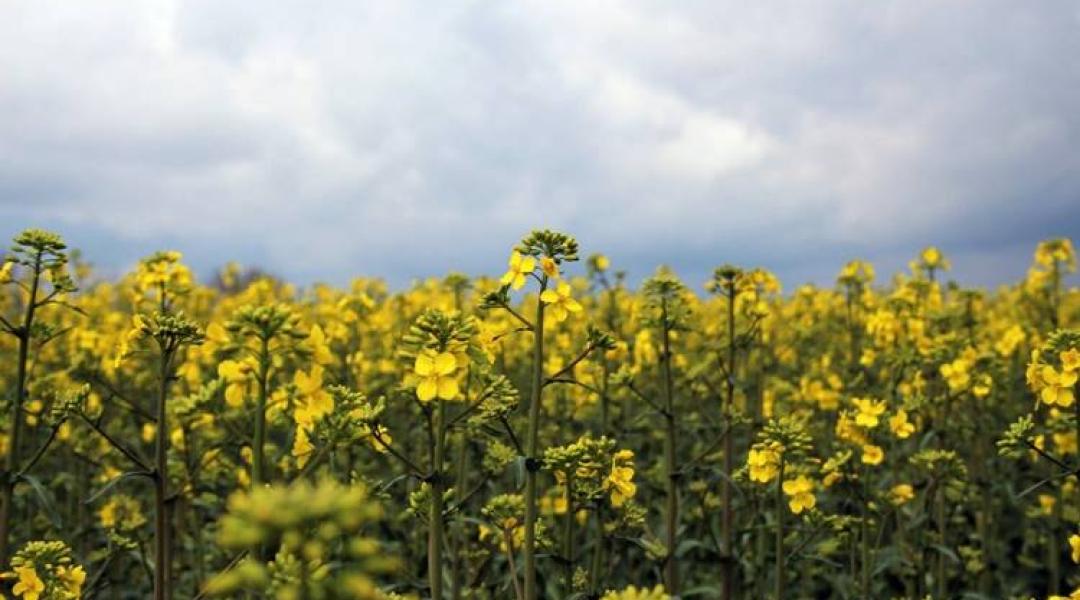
323, 140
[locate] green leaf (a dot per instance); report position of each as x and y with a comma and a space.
113, 483
687, 545
44, 497
704, 591
946, 552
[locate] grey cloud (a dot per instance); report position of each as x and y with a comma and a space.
404, 139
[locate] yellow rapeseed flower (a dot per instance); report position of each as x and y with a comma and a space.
1058, 386
901, 493
1012, 338
635, 593
869, 412
764, 464
1046, 504
900, 426
550, 267
520, 267
320, 346
982, 386
559, 301
314, 402
235, 373
956, 374
801, 492
621, 479
121, 512
1070, 360
436, 373
872, 455
29, 586
72, 578
932, 257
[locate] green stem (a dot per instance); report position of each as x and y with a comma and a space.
162, 543
532, 447
568, 535
258, 451
458, 534
982, 520
436, 533
1055, 546
605, 399
598, 552
198, 546
726, 492
864, 539
258, 443
508, 539
940, 518
761, 553
671, 566
779, 592
15, 418
905, 554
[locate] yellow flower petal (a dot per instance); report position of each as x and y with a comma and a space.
424, 364
427, 389
445, 363
234, 395
448, 388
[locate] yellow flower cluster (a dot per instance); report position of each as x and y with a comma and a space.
46, 571
869, 408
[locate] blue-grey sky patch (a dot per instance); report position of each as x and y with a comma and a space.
405, 139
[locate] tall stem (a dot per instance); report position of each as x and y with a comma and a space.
940, 567
162, 545
1054, 558
460, 539
568, 535
1055, 296
983, 516
598, 551
1055, 521
258, 457
258, 443
508, 539
15, 419
729, 399
779, 593
907, 557
864, 538
435, 532
532, 447
671, 566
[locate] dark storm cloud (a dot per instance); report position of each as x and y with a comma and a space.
405, 139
